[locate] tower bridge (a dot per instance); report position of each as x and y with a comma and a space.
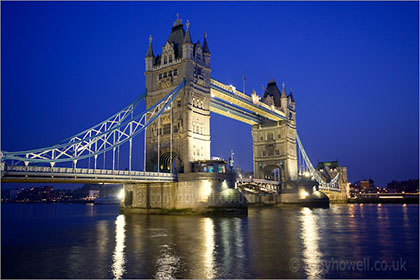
180, 95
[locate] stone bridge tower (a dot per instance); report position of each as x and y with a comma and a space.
274, 143
189, 122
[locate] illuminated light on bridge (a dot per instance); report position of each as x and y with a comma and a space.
109, 135
121, 194
180, 94
303, 194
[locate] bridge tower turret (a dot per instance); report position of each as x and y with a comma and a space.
150, 56
187, 123
187, 45
206, 51
283, 98
274, 142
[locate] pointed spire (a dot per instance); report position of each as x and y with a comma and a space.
271, 81
283, 92
205, 46
187, 37
150, 49
178, 21
291, 96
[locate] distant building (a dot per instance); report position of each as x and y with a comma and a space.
367, 186
9, 195
93, 194
355, 188
13, 194
409, 186
39, 194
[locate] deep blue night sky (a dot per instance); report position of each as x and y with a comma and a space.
353, 67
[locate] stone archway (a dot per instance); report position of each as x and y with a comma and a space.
165, 162
273, 173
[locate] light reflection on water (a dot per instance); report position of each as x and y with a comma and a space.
167, 263
208, 250
118, 265
310, 238
85, 241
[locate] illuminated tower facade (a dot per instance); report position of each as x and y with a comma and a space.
274, 142
187, 123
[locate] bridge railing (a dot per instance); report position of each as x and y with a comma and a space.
329, 189
259, 181
69, 170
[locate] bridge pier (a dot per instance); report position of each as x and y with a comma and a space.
194, 193
336, 197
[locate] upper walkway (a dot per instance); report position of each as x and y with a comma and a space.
227, 101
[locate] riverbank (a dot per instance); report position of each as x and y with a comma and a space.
409, 198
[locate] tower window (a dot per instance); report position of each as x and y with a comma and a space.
166, 129
160, 76
170, 59
170, 74
175, 72
165, 74
165, 60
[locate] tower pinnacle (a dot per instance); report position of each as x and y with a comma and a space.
187, 38
291, 96
283, 92
205, 46
150, 48
178, 21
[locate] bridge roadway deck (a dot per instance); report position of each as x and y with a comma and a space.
41, 174
269, 186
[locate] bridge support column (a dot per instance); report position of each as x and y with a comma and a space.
274, 148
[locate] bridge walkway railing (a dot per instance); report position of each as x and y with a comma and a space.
31, 172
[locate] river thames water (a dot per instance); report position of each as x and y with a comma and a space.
95, 241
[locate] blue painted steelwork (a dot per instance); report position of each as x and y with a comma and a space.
115, 119
232, 95
122, 127
235, 110
307, 169
111, 137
